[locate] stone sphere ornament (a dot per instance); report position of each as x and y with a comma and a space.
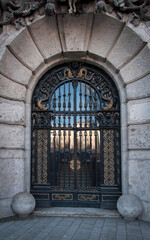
129, 206
23, 204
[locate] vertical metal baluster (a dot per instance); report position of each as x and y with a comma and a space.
50, 153
102, 155
64, 107
48, 157
59, 106
54, 106
91, 156
95, 108
85, 135
80, 107
96, 156
75, 84
69, 154
90, 125
69, 125
42, 159
54, 154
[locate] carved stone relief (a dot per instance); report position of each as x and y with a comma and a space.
14, 11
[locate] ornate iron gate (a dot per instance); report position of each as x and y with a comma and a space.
76, 138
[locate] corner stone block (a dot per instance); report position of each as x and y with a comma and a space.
138, 89
139, 111
12, 90
26, 50
139, 178
139, 136
45, 34
13, 69
11, 136
104, 34
126, 46
139, 155
138, 67
12, 112
14, 182
11, 154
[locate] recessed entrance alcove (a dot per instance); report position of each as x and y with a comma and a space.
75, 123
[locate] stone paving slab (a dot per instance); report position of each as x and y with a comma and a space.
73, 228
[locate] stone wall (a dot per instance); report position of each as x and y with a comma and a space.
120, 49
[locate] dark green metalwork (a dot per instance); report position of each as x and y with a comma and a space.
76, 138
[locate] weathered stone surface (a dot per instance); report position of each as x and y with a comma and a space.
129, 206
11, 154
139, 154
23, 204
5, 208
10, 89
75, 29
138, 67
104, 34
139, 136
11, 136
14, 69
26, 50
11, 111
138, 111
126, 46
14, 182
146, 211
139, 178
140, 88
45, 34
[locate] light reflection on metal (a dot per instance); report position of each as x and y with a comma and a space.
72, 164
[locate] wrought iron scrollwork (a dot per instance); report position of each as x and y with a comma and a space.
76, 135
108, 118
82, 72
41, 119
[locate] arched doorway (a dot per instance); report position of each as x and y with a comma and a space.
76, 138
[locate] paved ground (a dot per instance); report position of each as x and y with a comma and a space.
73, 228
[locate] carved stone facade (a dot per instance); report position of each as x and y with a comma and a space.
119, 48
16, 11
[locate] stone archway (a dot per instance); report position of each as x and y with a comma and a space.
49, 41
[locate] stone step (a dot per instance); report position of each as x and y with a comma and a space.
75, 212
